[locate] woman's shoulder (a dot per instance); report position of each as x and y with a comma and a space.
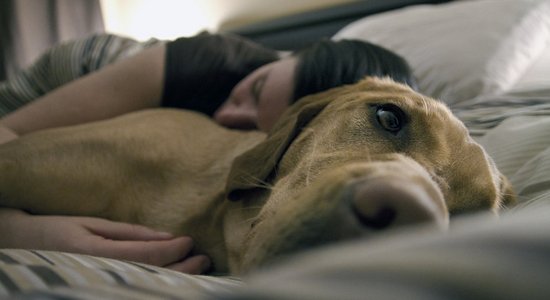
223, 43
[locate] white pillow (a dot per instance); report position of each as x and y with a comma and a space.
535, 80
461, 49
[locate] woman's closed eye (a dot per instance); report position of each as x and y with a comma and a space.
257, 87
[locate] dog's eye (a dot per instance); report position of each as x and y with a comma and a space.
390, 117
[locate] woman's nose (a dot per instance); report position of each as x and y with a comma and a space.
236, 116
239, 95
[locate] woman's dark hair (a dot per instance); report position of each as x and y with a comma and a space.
202, 70
327, 64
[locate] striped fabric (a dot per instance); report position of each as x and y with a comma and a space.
45, 275
64, 63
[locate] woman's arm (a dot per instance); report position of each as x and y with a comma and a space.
128, 85
6, 134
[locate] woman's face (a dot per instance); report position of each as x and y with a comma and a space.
258, 100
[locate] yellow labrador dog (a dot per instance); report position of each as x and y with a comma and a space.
346, 163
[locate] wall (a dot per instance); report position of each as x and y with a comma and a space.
167, 19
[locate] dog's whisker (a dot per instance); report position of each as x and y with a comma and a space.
254, 181
248, 208
248, 221
426, 106
261, 185
258, 181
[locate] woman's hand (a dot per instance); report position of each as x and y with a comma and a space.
99, 237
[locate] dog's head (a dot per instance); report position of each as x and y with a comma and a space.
353, 161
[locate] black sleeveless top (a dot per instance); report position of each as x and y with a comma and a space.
202, 70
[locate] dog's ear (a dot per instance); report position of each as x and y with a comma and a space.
252, 169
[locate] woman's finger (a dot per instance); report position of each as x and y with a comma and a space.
197, 264
123, 231
158, 253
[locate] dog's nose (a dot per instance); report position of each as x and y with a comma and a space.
383, 204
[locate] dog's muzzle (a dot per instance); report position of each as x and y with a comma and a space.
352, 202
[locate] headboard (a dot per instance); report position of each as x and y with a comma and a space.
295, 31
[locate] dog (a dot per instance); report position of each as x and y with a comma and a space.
347, 163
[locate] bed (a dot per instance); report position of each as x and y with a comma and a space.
489, 61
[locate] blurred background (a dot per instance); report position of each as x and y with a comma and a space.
28, 27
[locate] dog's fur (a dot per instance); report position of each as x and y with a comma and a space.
246, 198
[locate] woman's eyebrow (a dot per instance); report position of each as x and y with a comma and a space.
258, 85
